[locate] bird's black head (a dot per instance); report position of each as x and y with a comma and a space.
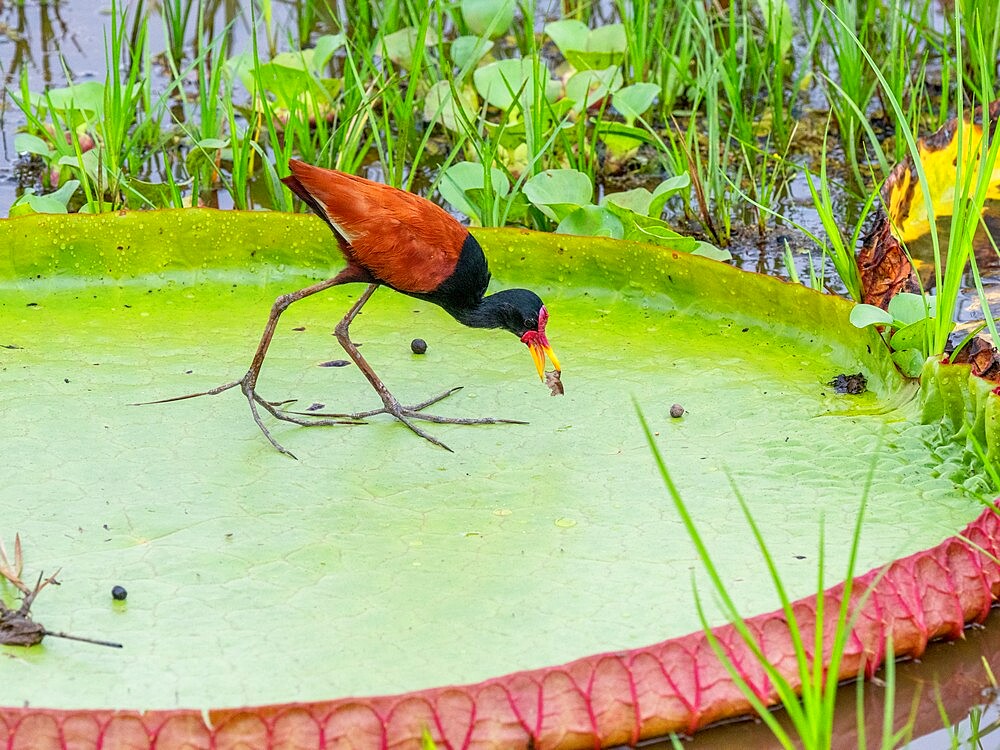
522, 313
518, 310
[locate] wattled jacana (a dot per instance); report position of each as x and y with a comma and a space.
393, 238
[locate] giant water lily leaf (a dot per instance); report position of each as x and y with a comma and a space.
377, 563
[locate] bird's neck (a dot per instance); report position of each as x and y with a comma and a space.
487, 313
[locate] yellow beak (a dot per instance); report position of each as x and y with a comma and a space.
539, 349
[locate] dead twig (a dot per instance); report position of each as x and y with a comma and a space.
17, 628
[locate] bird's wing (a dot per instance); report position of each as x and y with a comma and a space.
404, 240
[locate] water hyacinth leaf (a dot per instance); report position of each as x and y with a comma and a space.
633, 101
463, 186
592, 221
910, 362
906, 308
466, 51
400, 45
622, 141
706, 250
912, 336
441, 105
584, 48
87, 97
50, 203
869, 315
676, 185
488, 17
324, 48
499, 82
92, 163
559, 192
636, 200
588, 87
568, 34
26, 143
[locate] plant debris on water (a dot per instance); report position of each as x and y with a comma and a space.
553, 379
851, 384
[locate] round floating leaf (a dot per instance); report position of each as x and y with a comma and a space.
584, 48
441, 105
559, 192
568, 34
466, 51
379, 564
592, 221
589, 87
912, 336
463, 186
399, 46
499, 82
636, 200
488, 17
324, 48
25, 143
906, 308
868, 315
633, 101
705, 250
910, 361
670, 187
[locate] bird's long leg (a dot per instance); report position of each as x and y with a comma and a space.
248, 382
390, 404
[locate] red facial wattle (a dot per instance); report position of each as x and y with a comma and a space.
538, 344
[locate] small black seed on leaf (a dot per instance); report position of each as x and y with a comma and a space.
418, 346
118, 593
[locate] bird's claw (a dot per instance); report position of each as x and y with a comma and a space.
246, 384
405, 414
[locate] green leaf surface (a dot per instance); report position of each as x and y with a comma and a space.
633, 101
377, 563
463, 185
906, 308
488, 17
468, 50
588, 87
586, 48
592, 221
25, 143
399, 46
637, 200
863, 315
559, 192
442, 105
500, 82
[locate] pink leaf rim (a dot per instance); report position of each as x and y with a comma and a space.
678, 685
